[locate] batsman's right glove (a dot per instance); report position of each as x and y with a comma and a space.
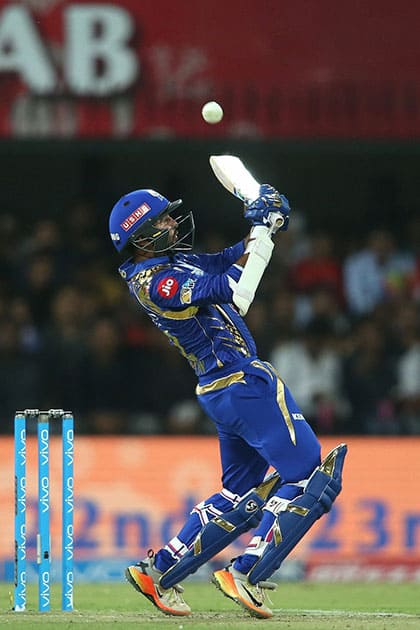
267, 207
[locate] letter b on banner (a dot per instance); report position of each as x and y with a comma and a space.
98, 58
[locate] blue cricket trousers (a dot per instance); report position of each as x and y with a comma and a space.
260, 425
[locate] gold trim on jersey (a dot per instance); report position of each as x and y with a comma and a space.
281, 397
237, 338
219, 361
196, 363
219, 383
261, 366
187, 313
281, 400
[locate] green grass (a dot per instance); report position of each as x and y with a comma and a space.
297, 606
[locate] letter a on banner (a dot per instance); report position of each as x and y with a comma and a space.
22, 51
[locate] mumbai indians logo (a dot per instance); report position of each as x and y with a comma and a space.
45, 589
186, 291
251, 506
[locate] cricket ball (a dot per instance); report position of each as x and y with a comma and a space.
212, 112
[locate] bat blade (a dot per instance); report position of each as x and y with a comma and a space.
235, 177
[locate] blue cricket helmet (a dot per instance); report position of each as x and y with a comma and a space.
134, 215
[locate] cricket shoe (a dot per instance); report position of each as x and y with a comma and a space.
145, 579
252, 597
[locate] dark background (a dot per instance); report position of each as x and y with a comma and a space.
348, 186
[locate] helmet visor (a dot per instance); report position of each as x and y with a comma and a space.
167, 233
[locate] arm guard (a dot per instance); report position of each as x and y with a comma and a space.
259, 250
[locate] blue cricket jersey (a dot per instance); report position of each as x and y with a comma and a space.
189, 298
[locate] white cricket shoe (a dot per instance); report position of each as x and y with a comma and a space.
145, 579
251, 597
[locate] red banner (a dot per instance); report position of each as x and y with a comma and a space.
129, 68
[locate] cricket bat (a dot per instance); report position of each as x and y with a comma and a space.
237, 179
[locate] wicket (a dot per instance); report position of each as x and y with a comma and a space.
43, 538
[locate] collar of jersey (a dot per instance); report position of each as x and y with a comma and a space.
129, 268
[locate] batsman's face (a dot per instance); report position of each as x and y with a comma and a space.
169, 224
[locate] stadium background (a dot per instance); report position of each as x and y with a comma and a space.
322, 100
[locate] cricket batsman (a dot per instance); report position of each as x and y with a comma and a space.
198, 301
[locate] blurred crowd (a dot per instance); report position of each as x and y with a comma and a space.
338, 318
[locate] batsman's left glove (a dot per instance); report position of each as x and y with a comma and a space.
269, 202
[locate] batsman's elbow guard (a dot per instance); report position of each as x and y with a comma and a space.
259, 250
243, 302
294, 518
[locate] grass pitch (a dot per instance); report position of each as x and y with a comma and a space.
297, 606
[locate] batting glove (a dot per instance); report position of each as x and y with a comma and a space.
269, 202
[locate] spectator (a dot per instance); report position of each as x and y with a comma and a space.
29, 334
324, 304
108, 391
184, 417
368, 382
282, 312
408, 369
378, 273
319, 269
64, 353
21, 381
39, 287
311, 367
262, 326
52, 332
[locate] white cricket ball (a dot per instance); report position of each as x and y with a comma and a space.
212, 112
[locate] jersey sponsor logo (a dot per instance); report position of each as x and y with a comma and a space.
298, 416
167, 287
186, 291
135, 216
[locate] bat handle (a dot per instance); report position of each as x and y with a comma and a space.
277, 220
